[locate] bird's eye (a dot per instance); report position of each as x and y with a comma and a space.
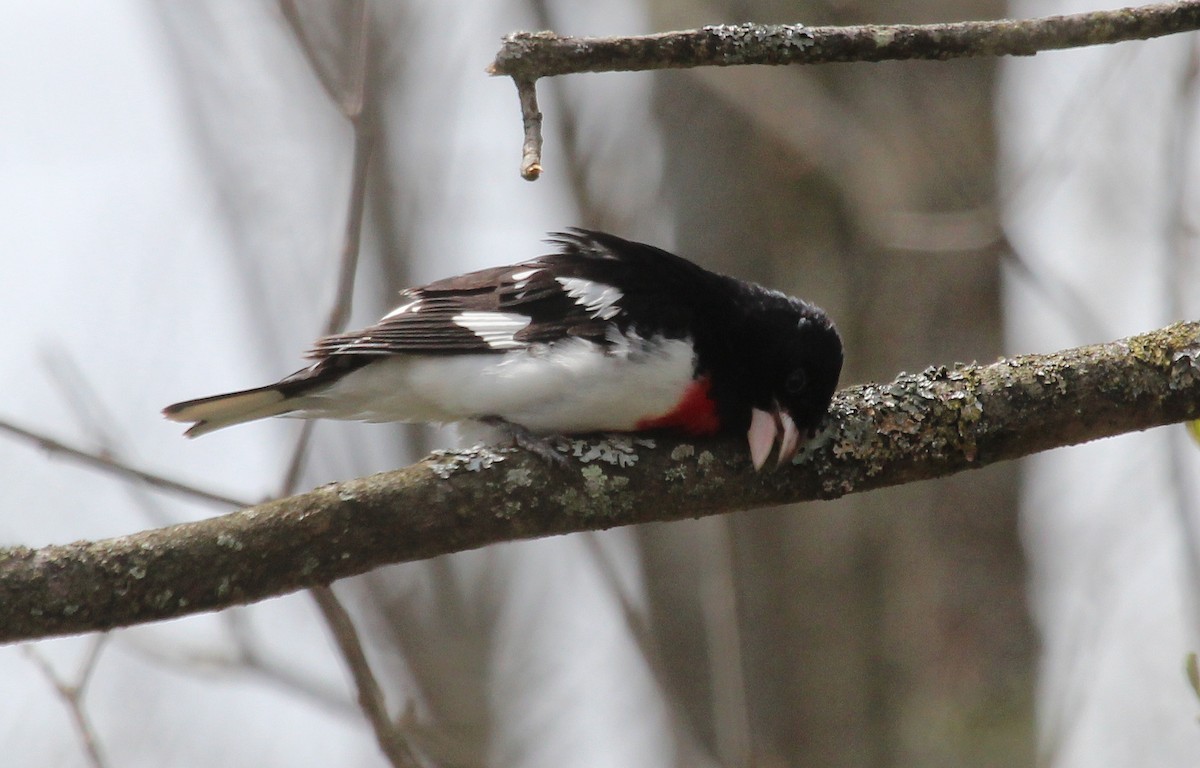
796, 381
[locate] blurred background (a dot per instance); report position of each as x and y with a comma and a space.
176, 182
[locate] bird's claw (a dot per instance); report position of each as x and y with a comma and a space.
542, 446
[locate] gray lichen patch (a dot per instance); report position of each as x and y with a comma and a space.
229, 541
755, 37
162, 600
618, 450
517, 478
603, 495
881, 424
675, 474
509, 509
475, 459
1185, 368
597, 483
683, 451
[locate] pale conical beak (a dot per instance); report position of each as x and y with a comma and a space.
789, 440
761, 437
765, 427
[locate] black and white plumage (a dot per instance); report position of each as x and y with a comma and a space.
606, 335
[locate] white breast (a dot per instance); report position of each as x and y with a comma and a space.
569, 386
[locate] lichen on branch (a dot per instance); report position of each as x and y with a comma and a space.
546, 54
527, 56
923, 425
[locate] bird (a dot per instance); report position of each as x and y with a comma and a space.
604, 335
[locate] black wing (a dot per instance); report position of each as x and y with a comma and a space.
595, 282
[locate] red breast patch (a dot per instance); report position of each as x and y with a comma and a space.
694, 414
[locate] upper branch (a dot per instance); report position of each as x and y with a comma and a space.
532, 55
922, 425
527, 56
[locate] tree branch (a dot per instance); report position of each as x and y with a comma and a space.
546, 54
933, 423
527, 56
116, 467
370, 695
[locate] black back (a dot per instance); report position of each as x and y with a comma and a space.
759, 348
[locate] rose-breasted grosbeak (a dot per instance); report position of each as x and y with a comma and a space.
607, 335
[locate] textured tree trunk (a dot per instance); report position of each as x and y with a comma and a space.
889, 628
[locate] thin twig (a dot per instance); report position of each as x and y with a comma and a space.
370, 695
355, 98
640, 632
102, 430
72, 695
244, 661
722, 633
108, 464
90, 414
351, 242
590, 212
268, 666
291, 14
531, 121
354, 105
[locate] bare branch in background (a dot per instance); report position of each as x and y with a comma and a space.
348, 265
354, 103
352, 100
577, 162
354, 107
925, 425
388, 734
243, 660
104, 462
1181, 156
527, 56
722, 631
105, 433
72, 694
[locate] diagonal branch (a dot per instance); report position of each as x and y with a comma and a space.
924, 425
370, 695
108, 463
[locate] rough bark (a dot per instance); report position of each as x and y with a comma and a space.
925, 425
530, 55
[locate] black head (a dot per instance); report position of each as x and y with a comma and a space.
803, 360
792, 358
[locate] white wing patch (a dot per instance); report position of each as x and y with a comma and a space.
522, 278
412, 306
597, 298
497, 329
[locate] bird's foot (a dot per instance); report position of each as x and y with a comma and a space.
544, 447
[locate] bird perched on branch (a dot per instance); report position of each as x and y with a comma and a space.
606, 335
